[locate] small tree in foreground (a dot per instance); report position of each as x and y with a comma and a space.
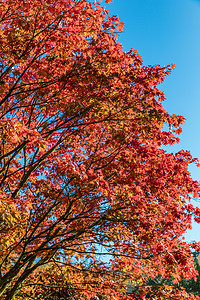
82, 172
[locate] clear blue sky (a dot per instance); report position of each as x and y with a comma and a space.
163, 32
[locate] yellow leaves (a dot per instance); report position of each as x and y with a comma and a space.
85, 94
90, 33
43, 145
92, 100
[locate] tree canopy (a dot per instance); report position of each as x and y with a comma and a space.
88, 196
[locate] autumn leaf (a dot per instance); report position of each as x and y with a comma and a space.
120, 26
89, 199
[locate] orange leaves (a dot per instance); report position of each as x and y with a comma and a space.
173, 66
107, 1
83, 175
120, 26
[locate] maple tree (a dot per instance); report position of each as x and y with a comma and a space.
83, 174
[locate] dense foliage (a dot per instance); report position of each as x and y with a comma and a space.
88, 196
155, 285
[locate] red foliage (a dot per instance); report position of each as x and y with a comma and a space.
83, 174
